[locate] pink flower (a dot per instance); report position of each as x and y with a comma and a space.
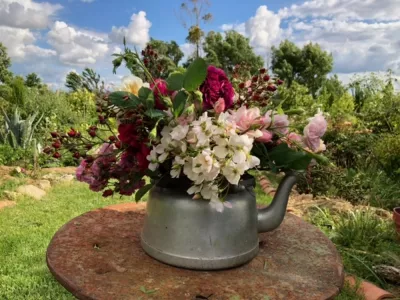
216, 86
266, 119
294, 137
313, 132
280, 123
219, 106
266, 136
245, 118
160, 89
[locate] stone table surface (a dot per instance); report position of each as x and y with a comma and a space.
98, 256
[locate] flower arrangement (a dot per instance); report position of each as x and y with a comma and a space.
195, 124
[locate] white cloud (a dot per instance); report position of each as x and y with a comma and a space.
75, 47
20, 44
381, 10
240, 27
26, 13
137, 32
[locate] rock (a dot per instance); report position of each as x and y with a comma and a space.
11, 195
6, 203
31, 191
44, 184
67, 177
389, 273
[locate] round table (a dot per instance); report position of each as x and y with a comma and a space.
98, 256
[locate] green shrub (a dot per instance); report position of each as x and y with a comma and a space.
387, 153
15, 156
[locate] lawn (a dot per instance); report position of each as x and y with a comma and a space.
27, 229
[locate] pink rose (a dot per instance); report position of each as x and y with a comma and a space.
294, 137
245, 118
313, 132
266, 119
216, 86
266, 136
280, 123
219, 106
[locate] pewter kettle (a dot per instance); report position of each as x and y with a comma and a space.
191, 234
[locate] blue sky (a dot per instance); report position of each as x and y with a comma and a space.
58, 36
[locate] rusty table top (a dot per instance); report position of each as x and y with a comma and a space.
98, 256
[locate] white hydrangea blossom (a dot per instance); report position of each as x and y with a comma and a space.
206, 151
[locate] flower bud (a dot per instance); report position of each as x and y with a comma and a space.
47, 150
255, 78
76, 155
89, 146
262, 71
56, 144
92, 133
266, 78
241, 85
108, 193
279, 82
56, 155
54, 134
271, 88
72, 133
112, 138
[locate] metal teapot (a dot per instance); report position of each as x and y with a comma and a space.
190, 234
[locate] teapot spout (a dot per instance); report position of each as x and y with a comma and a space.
272, 216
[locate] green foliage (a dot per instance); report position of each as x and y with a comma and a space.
10, 156
331, 90
231, 49
33, 80
175, 81
19, 133
195, 75
342, 108
309, 65
169, 51
5, 64
387, 152
89, 80
19, 91
363, 239
297, 96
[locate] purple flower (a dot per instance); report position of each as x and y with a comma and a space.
216, 86
314, 131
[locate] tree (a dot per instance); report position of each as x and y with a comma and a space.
5, 64
89, 80
331, 90
169, 50
309, 65
195, 10
32, 80
230, 50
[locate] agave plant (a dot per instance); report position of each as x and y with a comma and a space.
19, 132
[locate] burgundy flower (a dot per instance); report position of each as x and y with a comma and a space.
216, 86
142, 161
160, 89
128, 134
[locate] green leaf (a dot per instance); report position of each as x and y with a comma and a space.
285, 157
124, 99
142, 191
154, 113
143, 289
195, 75
146, 96
179, 103
175, 81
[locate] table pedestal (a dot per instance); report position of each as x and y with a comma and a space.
98, 256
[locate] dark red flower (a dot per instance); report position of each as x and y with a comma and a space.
56, 155
76, 155
112, 138
141, 158
89, 146
271, 88
279, 82
118, 144
160, 89
254, 79
72, 133
216, 86
266, 78
262, 71
47, 150
54, 134
241, 85
56, 144
108, 193
128, 134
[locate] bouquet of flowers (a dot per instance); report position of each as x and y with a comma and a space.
195, 124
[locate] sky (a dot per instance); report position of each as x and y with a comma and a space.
58, 36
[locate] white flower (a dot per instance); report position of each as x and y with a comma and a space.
203, 162
210, 192
191, 137
254, 133
175, 171
253, 161
217, 205
163, 157
152, 158
132, 84
232, 172
179, 132
210, 176
179, 160
194, 189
